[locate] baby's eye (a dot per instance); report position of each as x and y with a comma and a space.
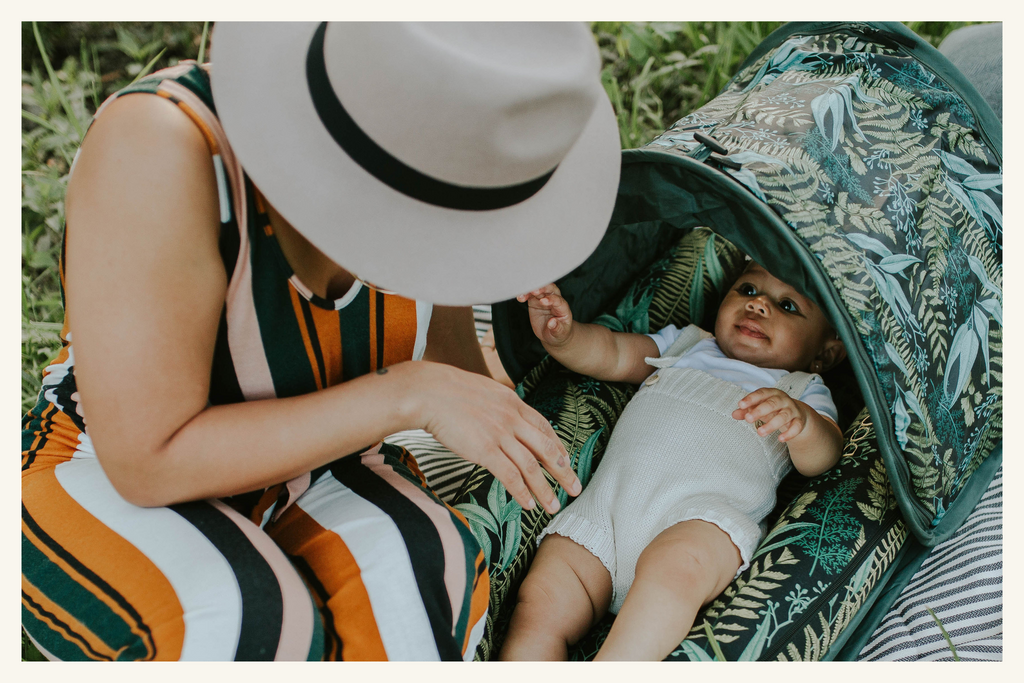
789, 306
747, 289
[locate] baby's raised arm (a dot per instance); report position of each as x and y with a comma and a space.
586, 348
815, 441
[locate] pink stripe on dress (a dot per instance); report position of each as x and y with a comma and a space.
244, 338
297, 607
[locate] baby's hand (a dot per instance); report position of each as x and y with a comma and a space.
773, 409
550, 316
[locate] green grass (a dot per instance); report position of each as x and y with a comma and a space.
942, 628
654, 73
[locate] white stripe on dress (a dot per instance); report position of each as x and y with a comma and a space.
451, 540
384, 565
424, 309
200, 576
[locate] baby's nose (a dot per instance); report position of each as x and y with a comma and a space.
758, 305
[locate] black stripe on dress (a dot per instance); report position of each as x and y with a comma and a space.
224, 387
262, 602
314, 340
354, 326
423, 543
380, 330
44, 427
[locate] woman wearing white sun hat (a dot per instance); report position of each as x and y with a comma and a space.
188, 491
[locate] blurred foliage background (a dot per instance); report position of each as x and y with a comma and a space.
654, 74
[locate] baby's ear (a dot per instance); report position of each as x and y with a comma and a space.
832, 352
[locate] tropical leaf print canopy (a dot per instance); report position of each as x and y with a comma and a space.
884, 171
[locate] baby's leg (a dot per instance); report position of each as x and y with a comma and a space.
566, 590
682, 569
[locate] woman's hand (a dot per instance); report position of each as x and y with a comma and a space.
550, 316
487, 423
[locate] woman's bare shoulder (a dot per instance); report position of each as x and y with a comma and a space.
143, 153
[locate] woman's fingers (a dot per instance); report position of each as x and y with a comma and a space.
505, 470
542, 441
531, 472
490, 425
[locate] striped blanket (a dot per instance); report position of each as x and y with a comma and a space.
961, 580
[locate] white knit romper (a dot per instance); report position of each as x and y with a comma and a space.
677, 454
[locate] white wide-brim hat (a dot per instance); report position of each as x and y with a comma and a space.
415, 157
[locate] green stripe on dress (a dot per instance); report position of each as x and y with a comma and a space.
107, 625
355, 336
279, 330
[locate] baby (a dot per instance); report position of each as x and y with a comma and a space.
674, 512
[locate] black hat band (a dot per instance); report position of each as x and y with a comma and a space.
386, 168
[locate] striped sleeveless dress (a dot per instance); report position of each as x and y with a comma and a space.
355, 560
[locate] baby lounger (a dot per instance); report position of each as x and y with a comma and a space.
854, 162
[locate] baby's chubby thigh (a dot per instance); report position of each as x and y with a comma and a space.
696, 554
682, 569
565, 592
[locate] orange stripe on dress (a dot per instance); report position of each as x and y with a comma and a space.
211, 141
300, 318
61, 442
120, 564
328, 333
257, 197
45, 428
481, 596
261, 209
335, 568
399, 328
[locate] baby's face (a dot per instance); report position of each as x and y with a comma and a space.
765, 322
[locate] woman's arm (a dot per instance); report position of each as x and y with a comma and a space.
451, 339
145, 290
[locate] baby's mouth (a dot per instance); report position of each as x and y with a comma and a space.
751, 329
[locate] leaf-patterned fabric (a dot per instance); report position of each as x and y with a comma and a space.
689, 279
882, 171
830, 540
828, 548
863, 169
